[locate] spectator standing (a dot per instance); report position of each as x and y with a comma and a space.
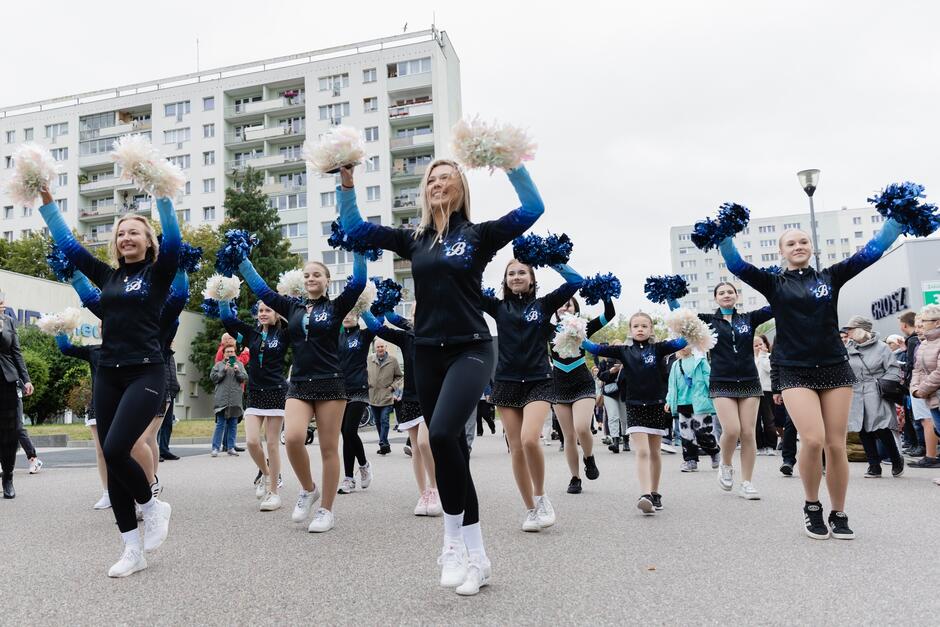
385, 377
14, 375
228, 376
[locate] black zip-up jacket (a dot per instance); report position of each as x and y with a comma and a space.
353, 350
448, 267
404, 338
912, 342
640, 381
524, 325
732, 358
567, 364
266, 352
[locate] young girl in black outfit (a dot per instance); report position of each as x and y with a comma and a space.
130, 383
454, 353
354, 346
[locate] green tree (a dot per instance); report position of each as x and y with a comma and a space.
54, 375
27, 255
39, 375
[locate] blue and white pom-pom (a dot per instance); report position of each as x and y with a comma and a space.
220, 287
340, 239
387, 296
291, 283
661, 289
61, 266
600, 287
65, 322
236, 248
536, 251
732, 219
686, 323
488, 292
901, 202
190, 258
210, 307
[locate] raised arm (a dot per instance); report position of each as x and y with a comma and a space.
280, 304
71, 350
610, 351
366, 233
399, 321
87, 293
760, 316
753, 276
396, 336
176, 300
870, 253
97, 270
558, 297
668, 347
596, 324
498, 233
354, 286
230, 321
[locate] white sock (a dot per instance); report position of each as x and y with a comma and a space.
349, 478
452, 525
473, 537
537, 498
131, 538
146, 507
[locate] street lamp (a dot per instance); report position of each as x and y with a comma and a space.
808, 181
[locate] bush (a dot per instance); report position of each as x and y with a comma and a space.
53, 374
39, 375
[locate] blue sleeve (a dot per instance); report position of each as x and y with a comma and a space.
354, 286
758, 279
372, 323
558, 297
498, 233
280, 304
168, 259
596, 324
760, 316
87, 292
366, 233
672, 389
846, 269
95, 269
673, 304
67, 348
234, 326
668, 347
176, 301
398, 321
612, 352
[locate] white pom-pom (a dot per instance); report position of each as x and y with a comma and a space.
65, 322
142, 165
685, 323
34, 168
220, 287
291, 283
570, 332
365, 299
477, 144
338, 147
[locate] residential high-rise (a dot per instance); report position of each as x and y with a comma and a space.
402, 92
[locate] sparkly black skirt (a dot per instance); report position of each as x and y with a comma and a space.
333, 389
272, 398
572, 386
735, 389
651, 419
818, 378
407, 412
517, 394
358, 396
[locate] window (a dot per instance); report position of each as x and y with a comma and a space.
334, 82
11, 137
208, 158
830, 242
179, 109
208, 186
283, 202
845, 255
182, 215
791, 225
414, 130
746, 244
194, 388
690, 277
683, 236
208, 130
63, 204
369, 75
858, 234
26, 232
709, 261
176, 136
27, 134
334, 112
683, 251
373, 192
7, 212
766, 242
60, 154
55, 130
857, 220
844, 240
180, 367
687, 264
404, 68
749, 258
292, 125
333, 257
183, 161
832, 255
372, 134
96, 147
291, 152
377, 220
240, 103
326, 228
8, 236
875, 232
709, 276
328, 199
878, 218
769, 257
27, 212
208, 103
372, 164
187, 189
368, 105
8, 162
293, 179
296, 229
62, 180
770, 228
208, 213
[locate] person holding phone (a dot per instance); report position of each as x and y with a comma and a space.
228, 376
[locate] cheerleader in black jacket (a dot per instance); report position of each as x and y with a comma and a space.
354, 346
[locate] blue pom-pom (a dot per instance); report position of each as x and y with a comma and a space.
536, 251
340, 239
901, 202
601, 287
387, 296
210, 307
774, 269
236, 248
732, 219
706, 235
660, 289
61, 267
254, 310
190, 258
489, 292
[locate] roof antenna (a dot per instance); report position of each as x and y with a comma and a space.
197, 55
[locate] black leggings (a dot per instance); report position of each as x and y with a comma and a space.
126, 400
870, 444
765, 429
8, 445
449, 381
352, 443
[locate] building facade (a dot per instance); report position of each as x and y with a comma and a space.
839, 233
402, 92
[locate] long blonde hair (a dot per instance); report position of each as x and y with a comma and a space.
152, 252
427, 221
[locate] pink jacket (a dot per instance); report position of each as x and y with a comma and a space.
925, 379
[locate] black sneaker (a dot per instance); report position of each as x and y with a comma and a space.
926, 462
813, 521
590, 468
787, 469
170, 456
614, 445
917, 451
839, 524
657, 499
574, 486
873, 472
645, 504
626, 445
897, 469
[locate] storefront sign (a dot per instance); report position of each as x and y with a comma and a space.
26, 317
931, 291
893, 303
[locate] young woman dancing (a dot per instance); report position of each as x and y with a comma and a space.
353, 352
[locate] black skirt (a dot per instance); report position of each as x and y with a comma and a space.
9, 404
407, 411
272, 398
318, 390
517, 394
358, 396
572, 386
735, 389
819, 378
651, 419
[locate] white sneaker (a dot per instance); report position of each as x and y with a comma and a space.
453, 563
716, 460
156, 525
434, 504
748, 491
139, 512
545, 512
304, 502
421, 509
726, 477
669, 449
132, 560
347, 486
104, 502
215, 452
35, 466
322, 521
531, 522
261, 488
270, 503
156, 488
478, 574
365, 475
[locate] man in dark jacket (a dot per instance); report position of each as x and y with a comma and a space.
913, 433
15, 377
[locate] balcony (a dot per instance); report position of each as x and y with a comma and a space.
404, 204
412, 112
411, 81
118, 129
410, 142
273, 189
263, 106
144, 207
90, 161
410, 172
102, 183
261, 162
402, 265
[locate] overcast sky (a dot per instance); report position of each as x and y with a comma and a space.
647, 114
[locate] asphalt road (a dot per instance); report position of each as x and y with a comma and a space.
708, 558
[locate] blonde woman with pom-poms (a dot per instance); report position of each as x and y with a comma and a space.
130, 383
